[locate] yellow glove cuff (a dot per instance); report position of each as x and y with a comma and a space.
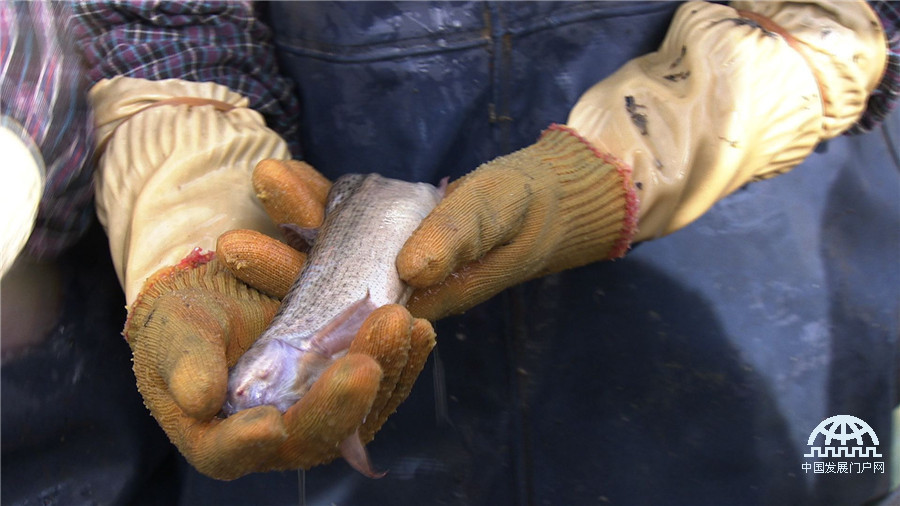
174, 177
726, 100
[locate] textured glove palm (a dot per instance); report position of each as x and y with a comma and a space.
552, 206
191, 322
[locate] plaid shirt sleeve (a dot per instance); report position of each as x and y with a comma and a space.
43, 93
885, 96
201, 41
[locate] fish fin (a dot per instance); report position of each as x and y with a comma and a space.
299, 238
356, 455
337, 335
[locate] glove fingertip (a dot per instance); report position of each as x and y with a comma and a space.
318, 184
198, 385
425, 259
288, 197
421, 342
382, 326
268, 265
423, 336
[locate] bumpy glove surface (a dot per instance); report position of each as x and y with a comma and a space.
191, 322
733, 95
554, 205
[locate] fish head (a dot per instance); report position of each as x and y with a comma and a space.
266, 377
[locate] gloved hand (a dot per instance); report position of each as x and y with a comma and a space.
552, 206
293, 192
193, 321
173, 177
731, 96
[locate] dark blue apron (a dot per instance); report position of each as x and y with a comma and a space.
691, 372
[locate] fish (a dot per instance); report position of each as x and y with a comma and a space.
350, 271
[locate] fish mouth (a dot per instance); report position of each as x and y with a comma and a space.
266, 379
280, 372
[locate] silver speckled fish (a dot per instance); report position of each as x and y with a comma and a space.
349, 273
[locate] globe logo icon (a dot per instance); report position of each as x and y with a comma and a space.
843, 429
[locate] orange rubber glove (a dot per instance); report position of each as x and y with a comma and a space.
733, 95
555, 205
191, 322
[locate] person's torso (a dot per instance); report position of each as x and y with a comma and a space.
420, 91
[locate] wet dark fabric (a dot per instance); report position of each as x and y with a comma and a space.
74, 429
420, 91
691, 372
